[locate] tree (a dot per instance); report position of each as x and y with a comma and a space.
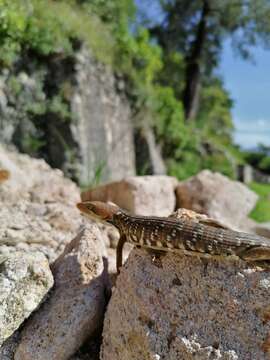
197, 29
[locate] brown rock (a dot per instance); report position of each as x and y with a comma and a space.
8, 348
144, 195
218, 197
181, 307
76, 305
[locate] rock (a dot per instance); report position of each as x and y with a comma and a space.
38, 209
90, 350
96, 143
76, 305
181, 307
8, 348
218, 197
263, 229
143, 195
101, 123
25, 278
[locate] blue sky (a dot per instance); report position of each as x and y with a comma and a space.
249, 86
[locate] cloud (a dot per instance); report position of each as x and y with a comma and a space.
249, 134
251, 125
249, 141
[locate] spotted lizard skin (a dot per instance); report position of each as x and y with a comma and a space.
190, 237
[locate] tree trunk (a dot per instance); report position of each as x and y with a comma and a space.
193, 67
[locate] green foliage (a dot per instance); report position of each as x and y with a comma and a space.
173, 72
246, 22
261, 213
189, 148
80, 23
115, 12
188, 165
263, 190
214, 113
58, 106
36, 25
154, 71
140, 59
29, 24
12, 26
169, 123
260, 159
264, 164
184, 146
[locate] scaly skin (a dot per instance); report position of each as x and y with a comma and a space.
176, 235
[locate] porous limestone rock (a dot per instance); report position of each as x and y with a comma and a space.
97, 141
76, 305
37, 209
24, 281
143, 195
218, 197
177, 307
101, 122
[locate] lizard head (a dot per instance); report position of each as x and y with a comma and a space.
97, 210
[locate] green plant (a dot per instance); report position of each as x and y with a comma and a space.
36, 25
57, 105
261, 212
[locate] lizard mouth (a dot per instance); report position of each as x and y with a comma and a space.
86, 212
82, 207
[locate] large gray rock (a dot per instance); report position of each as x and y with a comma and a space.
218, 197
96, 143
102, 125
24, 281
37, 209
143, 195
76, 305
184, 308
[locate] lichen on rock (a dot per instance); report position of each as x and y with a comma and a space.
24, 281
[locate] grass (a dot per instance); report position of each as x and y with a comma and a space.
261, 212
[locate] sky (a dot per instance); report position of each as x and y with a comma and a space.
249, 86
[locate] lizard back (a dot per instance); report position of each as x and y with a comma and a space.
185, 236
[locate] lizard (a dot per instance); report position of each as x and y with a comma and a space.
184, 236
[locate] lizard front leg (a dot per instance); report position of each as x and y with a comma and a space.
119, 252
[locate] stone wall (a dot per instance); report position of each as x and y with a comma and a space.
103, 128
71, 111
248, 174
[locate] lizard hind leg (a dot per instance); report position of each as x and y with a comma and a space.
257, 253
119, 252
